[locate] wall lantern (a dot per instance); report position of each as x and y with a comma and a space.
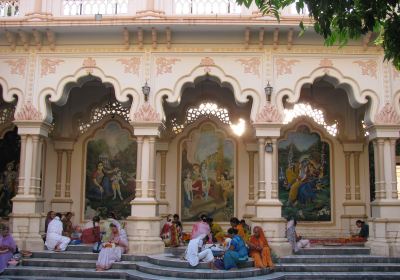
268, 91
269, 148
146, 91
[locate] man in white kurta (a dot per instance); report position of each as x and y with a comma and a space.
196, 252
55, 241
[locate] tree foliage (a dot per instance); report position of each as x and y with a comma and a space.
340, 20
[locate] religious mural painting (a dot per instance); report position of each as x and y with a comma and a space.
207, 175
110, 172
9, 166
304, 176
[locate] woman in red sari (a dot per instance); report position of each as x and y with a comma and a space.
259, 249
91, 231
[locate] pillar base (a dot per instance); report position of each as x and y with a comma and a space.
143, 228
61, 204
25, 230
353, 211
163, 207
275, 229
384, 237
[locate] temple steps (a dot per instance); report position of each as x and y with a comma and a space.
323, 263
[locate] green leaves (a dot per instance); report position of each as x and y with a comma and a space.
340, 20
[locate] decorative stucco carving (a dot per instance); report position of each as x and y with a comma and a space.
207, 62
131, 65
89, 63
17, 66
387, 115
269, 114
164, 65
396, 73
326, 63
284, 66
251, 65
368, 67
49, 66
146, 113
28, 113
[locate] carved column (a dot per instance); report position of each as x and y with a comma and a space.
151, 192
268, 208
163, 155
62, 201
380, 185
347, 170
274, 178
21, 178
353, 207
138, 192
28, 203
68, 175
143, 226
392, 143
261, 168
36, 165
357, 195
251, 174
59, 173
385, 209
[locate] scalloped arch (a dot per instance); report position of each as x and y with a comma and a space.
355, 96
10, 93
59, 94
174, 94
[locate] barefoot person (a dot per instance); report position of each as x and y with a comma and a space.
196, 252
259, 249
55, 241
113, 249
7, 247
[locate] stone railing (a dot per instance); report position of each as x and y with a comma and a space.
207, 7
91, 7
9, 8
175, 8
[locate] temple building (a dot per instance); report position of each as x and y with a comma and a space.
149, 108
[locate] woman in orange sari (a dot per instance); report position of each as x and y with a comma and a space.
259, 249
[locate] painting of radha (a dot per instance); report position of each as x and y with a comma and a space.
110, 171
304, 176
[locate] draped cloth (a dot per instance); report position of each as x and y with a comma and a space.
193, 256
260, 250
200, 228
237, 254
7, 248
112, 250
54, 236
106, 228
90, 233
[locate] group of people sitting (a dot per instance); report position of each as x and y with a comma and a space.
226, 250
110, 240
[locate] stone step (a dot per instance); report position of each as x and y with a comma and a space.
339, 267
334, 251
69, 263
56, 272
10, 277
337, 259
80, 255
195, 273
39, 273
80, 248
171, 260
342, 276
